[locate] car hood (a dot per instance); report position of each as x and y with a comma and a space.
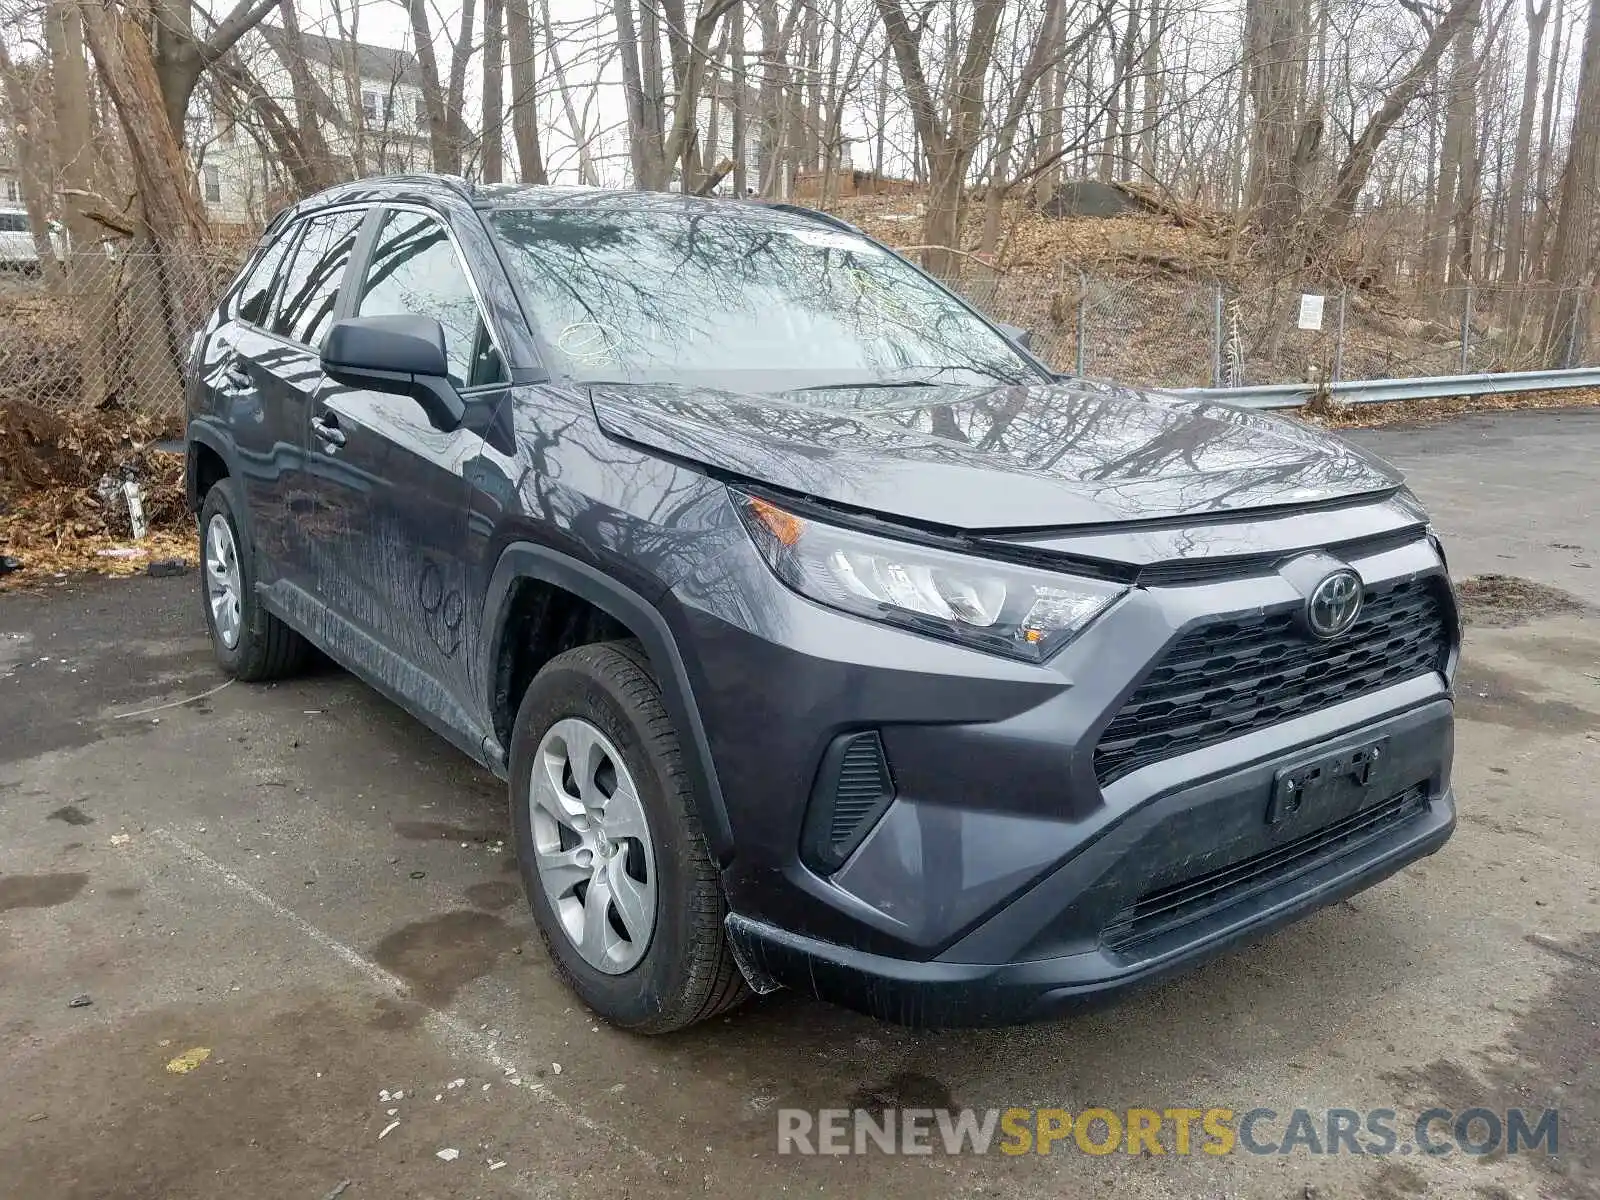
1012, 457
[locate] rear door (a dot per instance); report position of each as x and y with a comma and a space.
277, 366
390, 476
238, 359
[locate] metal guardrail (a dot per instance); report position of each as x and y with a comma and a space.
1384, 391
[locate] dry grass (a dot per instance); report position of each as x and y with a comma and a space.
1423, 412
57, 516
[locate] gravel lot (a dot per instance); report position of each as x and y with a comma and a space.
305, 883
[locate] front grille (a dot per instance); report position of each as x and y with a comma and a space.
1165, 909
1230, 677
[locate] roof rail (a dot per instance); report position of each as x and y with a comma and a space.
455, 183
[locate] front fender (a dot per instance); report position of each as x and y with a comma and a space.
527, 560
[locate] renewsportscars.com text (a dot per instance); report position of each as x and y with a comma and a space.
1181, 1131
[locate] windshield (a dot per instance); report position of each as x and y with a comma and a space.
743, 300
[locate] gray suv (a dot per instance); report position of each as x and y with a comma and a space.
825, 637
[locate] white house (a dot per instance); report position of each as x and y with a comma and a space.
374, 119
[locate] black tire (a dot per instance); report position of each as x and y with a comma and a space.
687, 973
267, 648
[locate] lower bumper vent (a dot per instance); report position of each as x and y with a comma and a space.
853, 788
1161, 911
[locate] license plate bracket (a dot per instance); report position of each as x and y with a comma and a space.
1327, 783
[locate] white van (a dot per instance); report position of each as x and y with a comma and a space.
17, 251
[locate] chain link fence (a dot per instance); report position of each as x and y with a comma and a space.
104, 327
1173, 332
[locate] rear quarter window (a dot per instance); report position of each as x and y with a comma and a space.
253, 300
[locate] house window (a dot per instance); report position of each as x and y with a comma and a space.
13, 192
422, 113
213, 181
373, 102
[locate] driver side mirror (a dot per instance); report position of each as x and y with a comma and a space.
403, 353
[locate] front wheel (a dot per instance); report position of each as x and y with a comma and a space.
623, 889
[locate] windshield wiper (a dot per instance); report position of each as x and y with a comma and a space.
866, 383
909, 377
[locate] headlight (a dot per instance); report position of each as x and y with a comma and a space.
994, 606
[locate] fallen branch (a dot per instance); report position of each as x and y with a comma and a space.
716, 177
99, 210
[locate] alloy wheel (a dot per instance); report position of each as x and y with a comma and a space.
592, 846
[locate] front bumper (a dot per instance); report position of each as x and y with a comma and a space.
1004, 881
948, 994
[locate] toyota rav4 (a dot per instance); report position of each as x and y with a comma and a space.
824, 636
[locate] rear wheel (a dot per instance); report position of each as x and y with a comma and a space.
623, 889
250, 643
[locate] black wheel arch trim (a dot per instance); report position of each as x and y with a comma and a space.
201, 433
528, 560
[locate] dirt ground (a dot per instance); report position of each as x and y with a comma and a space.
289, 920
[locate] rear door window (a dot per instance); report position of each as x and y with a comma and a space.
310, 286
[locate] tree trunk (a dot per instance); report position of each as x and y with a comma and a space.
1130, 52
171, 286
446, 158
456, 91
32, 162
1512, 270
711, 151
1108, 144
1047, 50
633, 92
1049, 151
1572, 251
1555, 76
948, 145
88, 269
775, 41
1151, 70
1280, 143
881, 132
1470, 168
492, 166
739, 119
315, 154
680, 145
660, 170
524, 109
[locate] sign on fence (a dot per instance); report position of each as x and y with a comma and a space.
1310, 311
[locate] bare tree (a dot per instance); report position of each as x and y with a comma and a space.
1512, 269
493, 102
443, 98
1572, 252
948, 142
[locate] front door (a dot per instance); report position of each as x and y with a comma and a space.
392, 477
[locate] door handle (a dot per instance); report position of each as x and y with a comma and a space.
327, 431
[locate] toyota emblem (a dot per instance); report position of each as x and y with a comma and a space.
1334, 604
